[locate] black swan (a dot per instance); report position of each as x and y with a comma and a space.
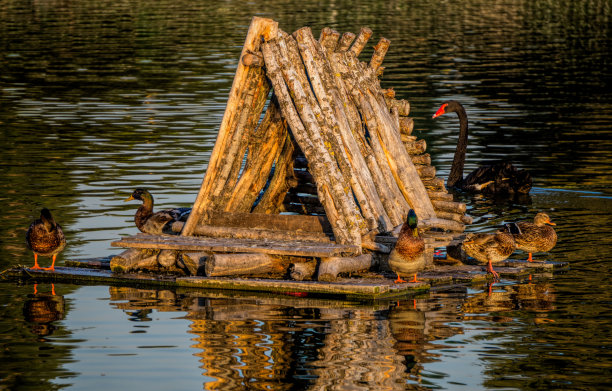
498, 178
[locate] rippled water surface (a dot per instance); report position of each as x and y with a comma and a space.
100, 97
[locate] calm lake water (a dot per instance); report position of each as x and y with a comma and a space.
99, 97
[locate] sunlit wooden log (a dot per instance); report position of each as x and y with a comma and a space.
361, 41
300, 271
244, 264
329, 268
345, 41
134, 259
329, 39
380, 50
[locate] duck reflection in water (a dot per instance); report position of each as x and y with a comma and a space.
41, 309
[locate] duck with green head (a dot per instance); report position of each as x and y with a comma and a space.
151, 222
45, 238
407, 256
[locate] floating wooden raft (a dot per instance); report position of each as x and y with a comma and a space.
331, 143
361, 286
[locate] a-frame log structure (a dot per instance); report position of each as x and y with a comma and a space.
309, 130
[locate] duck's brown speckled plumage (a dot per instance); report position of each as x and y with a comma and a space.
538, 236
151, 222
489, 247
45, 238
407, 255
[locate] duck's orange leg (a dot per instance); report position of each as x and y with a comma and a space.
529, 259
52, 267
490, 270
414, 279
36, 262
399, 279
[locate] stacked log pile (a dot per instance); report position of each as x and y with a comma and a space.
331, 142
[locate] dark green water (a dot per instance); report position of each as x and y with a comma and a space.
100, 97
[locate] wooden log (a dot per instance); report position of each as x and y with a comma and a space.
439, 196
329, 268
345, 41
465, 219
306, 131
389, 93
447, 225
282, 180
194, 262
442, 214
449, 206
426, 172
264, 147
382, 177
381, 126
167, 258
259, 234
305, 209
341, 138
417, 147
423, 158
402, 106
301, 271
244, 264
251, 59
406, 125
329, 39
361, 41
380, 50
134, 259
235, 108
435, 184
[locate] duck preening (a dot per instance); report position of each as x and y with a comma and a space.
489, 248
538, 236
45, 238
407, 256
498, 178
151, 222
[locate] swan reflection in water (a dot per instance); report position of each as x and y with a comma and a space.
284, 342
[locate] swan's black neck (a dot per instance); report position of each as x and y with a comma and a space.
456, 174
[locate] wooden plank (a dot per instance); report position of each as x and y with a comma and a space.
297, 223
222, 245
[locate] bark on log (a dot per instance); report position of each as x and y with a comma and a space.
345, 42
235, 108
307, 133
194, 262
329, 39
167, 258
402, 106
134, 259
426, 172
341, 138
439, 196
329, 268
264, 148
259, 234
435, 184
300, 271
406, 125
244, 264
447, 225
380, 50
424, 159
251, 59
361, 41
449, 206
417, 147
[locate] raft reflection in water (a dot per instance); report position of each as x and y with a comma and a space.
282, 342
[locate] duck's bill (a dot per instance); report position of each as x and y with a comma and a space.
130, 198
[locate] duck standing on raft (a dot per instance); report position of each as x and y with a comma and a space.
155, 223
538, 236
45, 238
407, 256
498, 178
490, 247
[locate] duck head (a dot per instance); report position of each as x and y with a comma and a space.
542, 219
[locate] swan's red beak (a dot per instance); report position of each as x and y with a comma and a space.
440, 111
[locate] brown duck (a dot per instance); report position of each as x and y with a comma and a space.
151, 222
538, 236
407, 255
45, 238
489, 248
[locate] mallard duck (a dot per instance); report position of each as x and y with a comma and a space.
407, 255
498, 178
42, 309
45, 238
158, 222
489, 248
535, 237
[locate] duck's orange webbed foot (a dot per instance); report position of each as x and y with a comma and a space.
529, 259
493, 272
414, 279
399, 279
36, 266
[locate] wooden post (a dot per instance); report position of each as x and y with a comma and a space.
361, 40
259, 28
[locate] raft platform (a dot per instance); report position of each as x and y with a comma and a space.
362, 286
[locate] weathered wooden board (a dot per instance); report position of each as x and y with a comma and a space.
224, 245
